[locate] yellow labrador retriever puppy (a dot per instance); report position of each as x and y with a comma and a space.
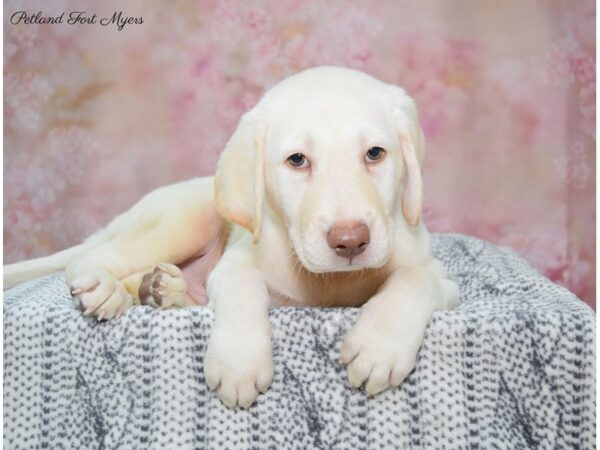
316, 201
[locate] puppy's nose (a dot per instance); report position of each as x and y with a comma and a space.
349, 239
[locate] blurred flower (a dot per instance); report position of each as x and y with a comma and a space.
572, 166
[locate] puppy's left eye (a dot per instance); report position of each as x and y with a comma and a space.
374, 154
298, 160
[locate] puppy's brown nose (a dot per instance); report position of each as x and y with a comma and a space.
350, 239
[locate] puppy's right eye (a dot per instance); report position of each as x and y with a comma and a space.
298, 160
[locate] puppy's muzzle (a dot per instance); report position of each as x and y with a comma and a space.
349, 240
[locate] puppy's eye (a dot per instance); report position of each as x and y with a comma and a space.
374, 154
298, 160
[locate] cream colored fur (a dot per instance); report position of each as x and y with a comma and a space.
272, 220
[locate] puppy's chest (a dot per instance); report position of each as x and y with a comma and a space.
330, 290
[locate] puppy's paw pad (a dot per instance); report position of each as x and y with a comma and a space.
100, 295
164, 287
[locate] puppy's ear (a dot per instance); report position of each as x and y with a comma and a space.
412, 142
239, 179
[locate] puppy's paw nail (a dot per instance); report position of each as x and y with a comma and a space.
82, 284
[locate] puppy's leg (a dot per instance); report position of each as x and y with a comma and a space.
381, 349
238, 361
171, 225
168, 285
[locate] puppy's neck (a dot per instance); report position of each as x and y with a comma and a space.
351, 288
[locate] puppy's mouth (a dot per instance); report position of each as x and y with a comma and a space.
334, 263
351, 249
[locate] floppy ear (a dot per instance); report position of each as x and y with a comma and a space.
413, 152
239, 179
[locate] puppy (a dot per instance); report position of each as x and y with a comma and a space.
316, 201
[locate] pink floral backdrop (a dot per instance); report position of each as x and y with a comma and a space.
96, 117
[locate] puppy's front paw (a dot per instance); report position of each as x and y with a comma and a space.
100, 294
380, 352
164, 287
238, 365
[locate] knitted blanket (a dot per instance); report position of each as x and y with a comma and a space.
513, 367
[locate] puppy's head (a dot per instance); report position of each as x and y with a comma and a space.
336, 155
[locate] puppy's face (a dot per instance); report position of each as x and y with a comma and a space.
334, 179
334, 156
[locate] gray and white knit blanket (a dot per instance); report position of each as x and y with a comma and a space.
513, 367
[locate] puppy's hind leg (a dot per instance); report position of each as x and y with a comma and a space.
169, 225
168, 285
